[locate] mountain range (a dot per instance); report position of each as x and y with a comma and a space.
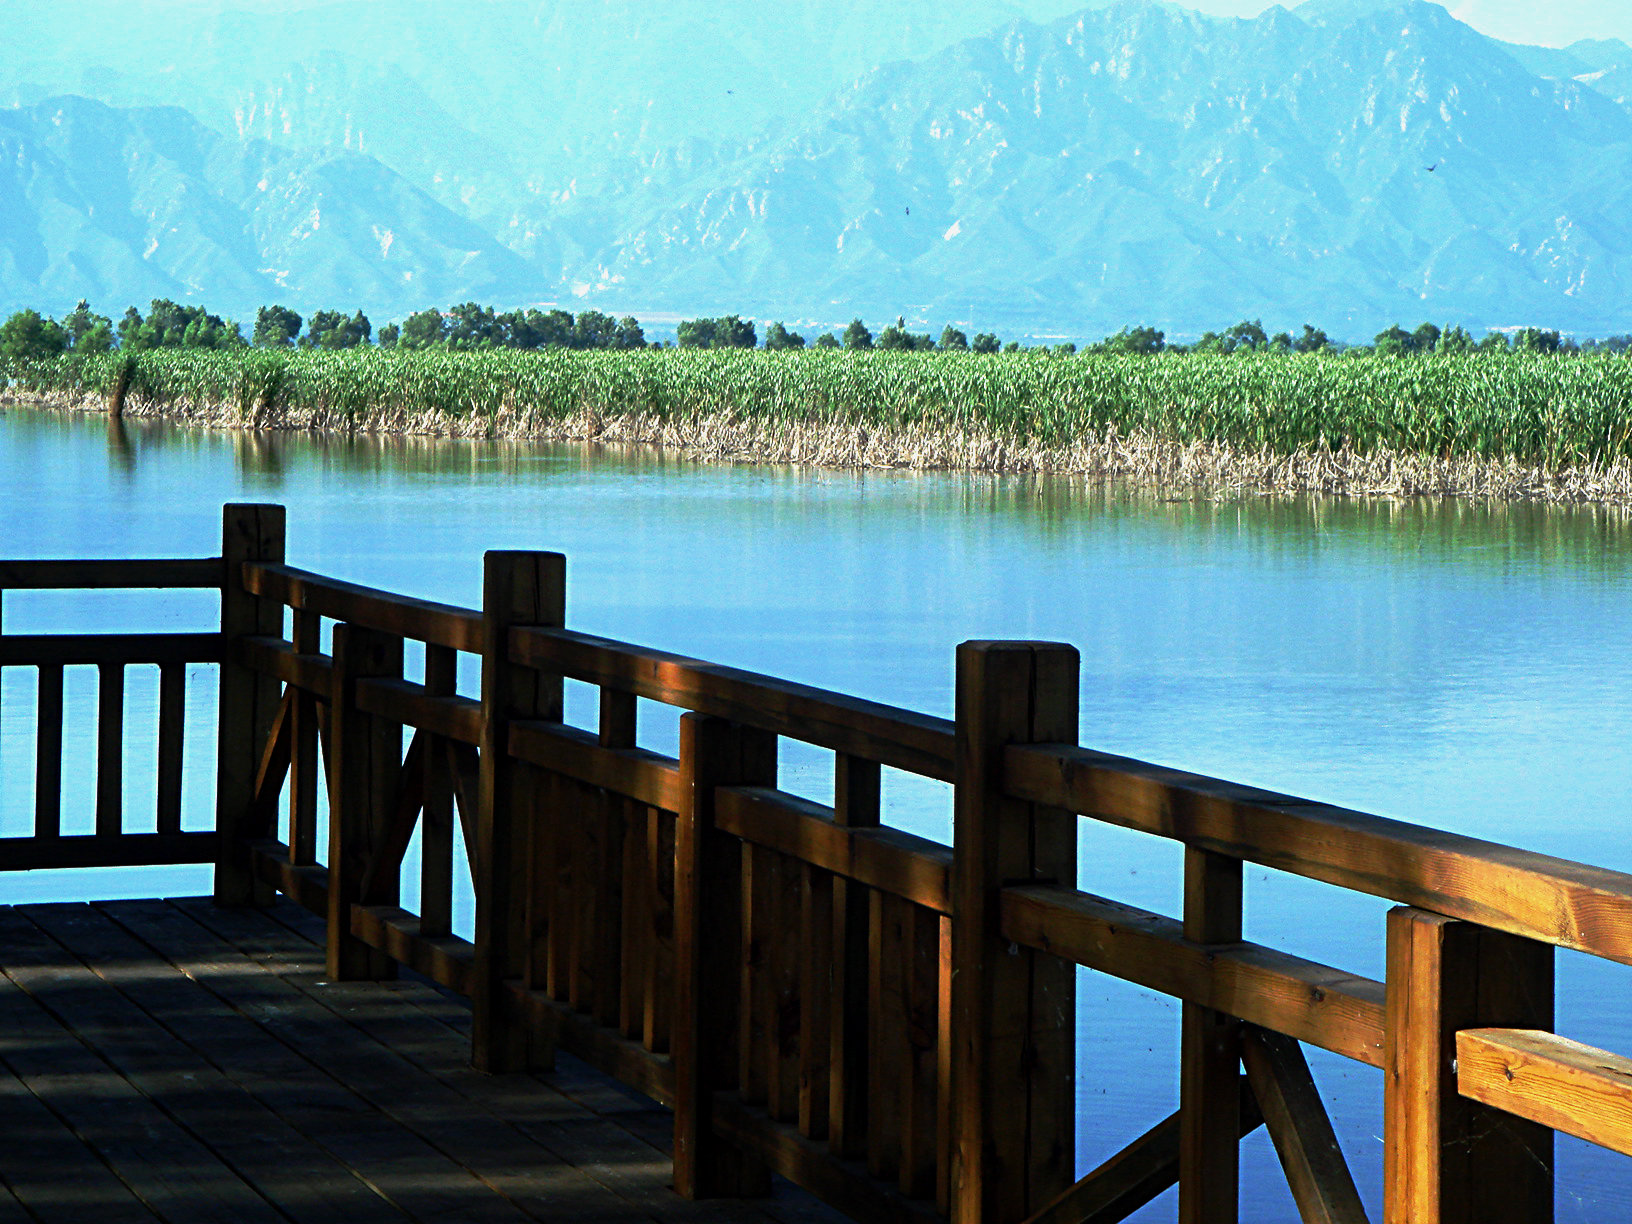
1348, 162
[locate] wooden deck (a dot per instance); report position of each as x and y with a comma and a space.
172, 1060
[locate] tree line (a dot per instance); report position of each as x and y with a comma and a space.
28, 335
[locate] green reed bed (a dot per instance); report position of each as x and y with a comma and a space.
1551, 411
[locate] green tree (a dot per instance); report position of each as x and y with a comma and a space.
1494, 342
1395, 342
628, 334
953, 340
275, 327
985, 342
1313, 340
389, 335
86, 331
856, 335
1013, 346
1248, 334
1455, 340
1139, 340
778, 337
28, 336
696, 333
1068, 349
1425, 339
1535, 340
423, 329
827, 340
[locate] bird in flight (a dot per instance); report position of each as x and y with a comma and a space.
909, 212
1433, 167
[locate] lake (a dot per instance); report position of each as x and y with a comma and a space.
1458, 665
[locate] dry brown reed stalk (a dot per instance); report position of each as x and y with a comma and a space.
935, 445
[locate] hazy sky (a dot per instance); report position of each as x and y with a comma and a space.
1548, 23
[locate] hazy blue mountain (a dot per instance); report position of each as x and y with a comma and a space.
1146, 163
1348, 162
121, 206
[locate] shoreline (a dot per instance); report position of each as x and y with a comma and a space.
724, 437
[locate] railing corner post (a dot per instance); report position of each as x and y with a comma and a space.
1013, 1010
1448, 1159
518, 589
248, 704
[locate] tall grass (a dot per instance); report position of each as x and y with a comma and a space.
1551, 411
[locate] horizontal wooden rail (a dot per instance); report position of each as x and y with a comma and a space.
71, 649
420, 619
1551, 1080
913, 868
900, 739
139, 574
646, 777
107, 850
1537, 896
414, 705
274, 657
1312, 1002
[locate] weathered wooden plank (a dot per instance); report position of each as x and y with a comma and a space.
817, 967
660, 879
48, 754
172, 733
450, 716
1315, 1003
382, 878
1210, 1058
421, 619
248, 700
856, 807
1534, 895
1319, 1177
1134, 1176
754, 977
125, 850
913, 868
110, 749
436, 821
600, 1047
707, 950
518, 588
899, 738
305, 884
270, 656
646, 777
806, 1162
363, 746
888, 1047
1013, 1146
636, 923
617, 729
103, 649
137, 573
1548, 1079
1447, 1159
445, 959
272, 770
303, 748
921, 1104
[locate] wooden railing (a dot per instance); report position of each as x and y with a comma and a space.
888, 1021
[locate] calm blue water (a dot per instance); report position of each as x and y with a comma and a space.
1456, 665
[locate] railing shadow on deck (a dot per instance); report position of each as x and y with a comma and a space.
885, 1020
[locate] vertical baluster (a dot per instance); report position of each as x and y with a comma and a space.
887, 1046
1013, 1072
48, 753
1210, 1060
110, 748
303, 763
817, 969
636, 926
1447, 1159
436, 822
172, 724
920, 1104
708, 906
660, 875
758, 993
617, 730
855, 805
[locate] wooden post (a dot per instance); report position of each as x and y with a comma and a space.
518, 588
856, 784
708, 904
1210, 1058
249, 701
1013, 1010
365, 750
1447, 1159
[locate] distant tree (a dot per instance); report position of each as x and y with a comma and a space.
1455, 340
86, 331
130, 328
1013, 346
953, 340
423, 329
329, 329
827, 340
985, 342
594, 330
1068, 349
1535, 340
896, 337
1313, 340
389, 335
275, 327
1280, 342
730, 331
1136, 340
1494, 342
1395, 342
1247, 334
696, 333
29, 336
856, 335
628, 334
1425, 339
778, 337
